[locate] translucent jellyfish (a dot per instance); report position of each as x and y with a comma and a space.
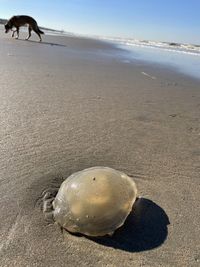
95, 201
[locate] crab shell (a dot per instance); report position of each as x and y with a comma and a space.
95, 201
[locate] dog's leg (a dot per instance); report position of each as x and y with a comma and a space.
17, 30
29, 33
39, 36
13, 33
37, 32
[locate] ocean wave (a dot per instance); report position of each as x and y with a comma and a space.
190, 49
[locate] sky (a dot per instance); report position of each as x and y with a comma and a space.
159, 20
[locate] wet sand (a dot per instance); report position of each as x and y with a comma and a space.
67, 104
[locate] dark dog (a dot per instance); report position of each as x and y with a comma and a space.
18, 21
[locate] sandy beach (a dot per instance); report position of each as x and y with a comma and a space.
70, 103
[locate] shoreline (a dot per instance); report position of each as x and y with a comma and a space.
68, 104
190, 66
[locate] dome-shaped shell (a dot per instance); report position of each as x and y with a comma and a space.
95, 201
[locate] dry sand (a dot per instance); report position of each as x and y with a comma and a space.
68, 104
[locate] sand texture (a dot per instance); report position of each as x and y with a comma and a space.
69, 103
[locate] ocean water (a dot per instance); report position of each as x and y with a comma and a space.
184, 58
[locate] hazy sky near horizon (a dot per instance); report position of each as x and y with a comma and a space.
167, 20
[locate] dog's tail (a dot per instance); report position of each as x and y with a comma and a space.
41, 32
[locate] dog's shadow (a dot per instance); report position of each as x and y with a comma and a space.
43, 43
144, 229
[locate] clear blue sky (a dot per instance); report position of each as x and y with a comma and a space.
164, 20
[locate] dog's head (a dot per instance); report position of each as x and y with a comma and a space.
7, 28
